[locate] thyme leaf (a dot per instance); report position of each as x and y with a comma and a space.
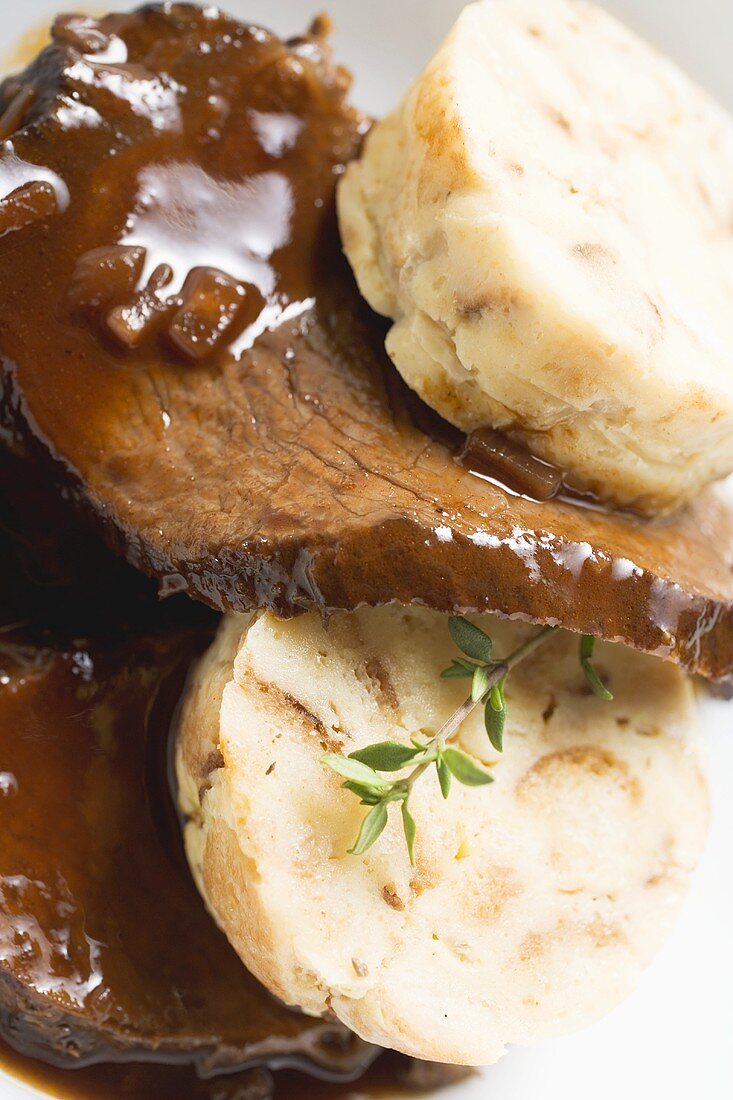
363, 770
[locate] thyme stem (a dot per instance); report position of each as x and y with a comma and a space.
364, 770
451, 727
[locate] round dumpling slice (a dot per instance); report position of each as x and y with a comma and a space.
533, 903
547, 219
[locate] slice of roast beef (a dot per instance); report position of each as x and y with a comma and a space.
106, 951
180, 334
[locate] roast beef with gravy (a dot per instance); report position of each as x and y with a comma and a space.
182, 338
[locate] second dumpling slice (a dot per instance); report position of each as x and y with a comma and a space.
534, 902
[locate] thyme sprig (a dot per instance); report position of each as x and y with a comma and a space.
365, 771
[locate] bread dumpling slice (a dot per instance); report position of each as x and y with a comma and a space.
534, 902
547, 218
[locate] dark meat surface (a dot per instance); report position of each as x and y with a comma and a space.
182, 338
106, 950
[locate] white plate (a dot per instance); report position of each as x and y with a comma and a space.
674, 1037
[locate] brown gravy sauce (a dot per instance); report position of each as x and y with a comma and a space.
493, 454
157, 1081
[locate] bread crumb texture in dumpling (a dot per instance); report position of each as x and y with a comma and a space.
534, 902
548, 219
